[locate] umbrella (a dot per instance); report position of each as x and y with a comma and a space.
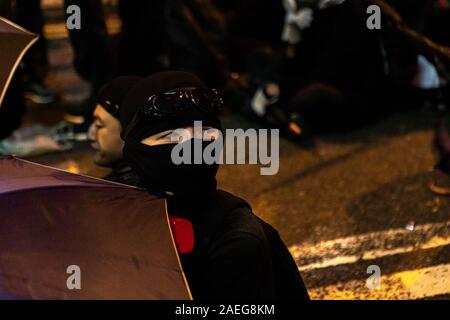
14, 43
117, 237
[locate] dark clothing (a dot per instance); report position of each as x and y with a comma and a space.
29, 15
252, 26
122, 173
159, 173
337, 75
287, 279
196, 40
232, 256
92, 60
141, 45
236, 255
253, 21
338, 50
439, 26
112, 94
416, 13
13, 106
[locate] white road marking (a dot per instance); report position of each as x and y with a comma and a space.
370, 246
410, 284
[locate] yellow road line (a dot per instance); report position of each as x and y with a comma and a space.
411, 284
54, 31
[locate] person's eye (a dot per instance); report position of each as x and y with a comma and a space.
174, 137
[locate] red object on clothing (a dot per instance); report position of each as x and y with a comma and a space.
183, 234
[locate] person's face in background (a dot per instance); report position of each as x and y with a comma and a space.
105, 136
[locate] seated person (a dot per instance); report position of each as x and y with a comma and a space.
235, 255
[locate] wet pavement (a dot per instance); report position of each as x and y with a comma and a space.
341, 207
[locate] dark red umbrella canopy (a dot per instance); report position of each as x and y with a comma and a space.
14, 43
119, 237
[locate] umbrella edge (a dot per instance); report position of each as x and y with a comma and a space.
19, 58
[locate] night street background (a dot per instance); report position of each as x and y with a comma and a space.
340, 207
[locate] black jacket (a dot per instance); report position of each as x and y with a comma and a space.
236, 255
122, 173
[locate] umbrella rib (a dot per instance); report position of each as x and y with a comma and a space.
176, 253
81, 175
16, 26
49, 187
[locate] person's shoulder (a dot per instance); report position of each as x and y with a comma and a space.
243, 220
242, 241
238, 214
239, 221
243, 226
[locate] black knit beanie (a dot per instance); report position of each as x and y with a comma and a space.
112, 94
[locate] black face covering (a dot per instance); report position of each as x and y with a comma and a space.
159, 174
190, 183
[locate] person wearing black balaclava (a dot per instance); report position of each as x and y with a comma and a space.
104, 133
235, 254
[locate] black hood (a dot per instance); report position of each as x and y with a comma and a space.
154, 164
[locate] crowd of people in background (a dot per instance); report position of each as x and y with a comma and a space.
302, 66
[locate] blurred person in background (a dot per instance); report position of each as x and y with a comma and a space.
155, 36
415, 78
13, 106
141, 44
326, 74
35, 63
438, 25
336, 74
437, 28
197, 39
92, 57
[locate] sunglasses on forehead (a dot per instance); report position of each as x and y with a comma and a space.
167, 104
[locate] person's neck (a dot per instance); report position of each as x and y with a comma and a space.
120, 165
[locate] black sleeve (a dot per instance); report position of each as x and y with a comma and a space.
237, 269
